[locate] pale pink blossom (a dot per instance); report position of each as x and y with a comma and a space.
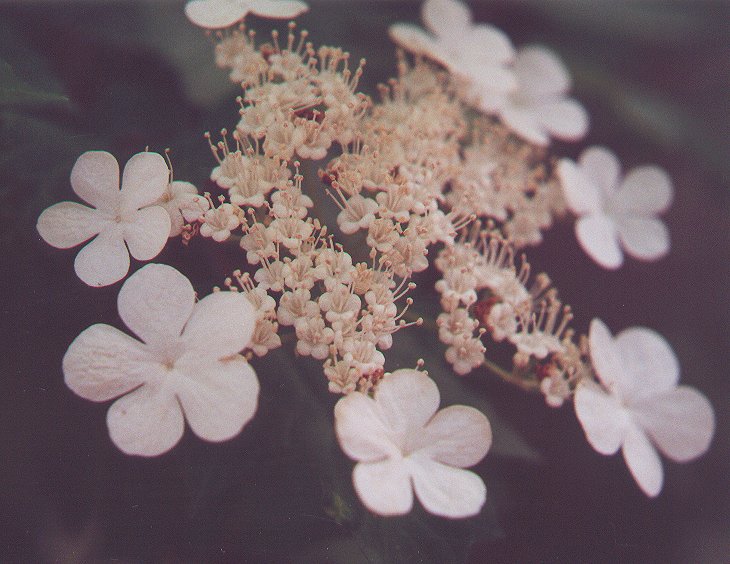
363, 354
539, 108
342, 376
271, 276
502, 321
186, 366
615, 212
257, 243
358, 213
401, 444
479, 54
183, 204
124, 221
219, 222
637, 405
465, 353
299, 273
265, 337
294, 305
555, 388
455, 323
339, 304
313, 337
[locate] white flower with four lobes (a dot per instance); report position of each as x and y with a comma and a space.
122, 218
539, 107
216, 14
479, 54
186, 366
614, 212
402, 444
637, 405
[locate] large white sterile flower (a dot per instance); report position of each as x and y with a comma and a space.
614, 212
639, 406
477, 53
539, 108
187, 363
117, 218
402, 444
215, 14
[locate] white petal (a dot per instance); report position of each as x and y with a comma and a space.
67, 224
446, 18
407, 399
384, 487
145, 422
643, 461
607, 360
446, 491
214, 14
156, 302
681, 422
105, 260
147, 235
182, 205
643, 238
564, 119
646, 190
524, 122
414, 39
103, 363
648, 363
602, 167
95, 179
177, 221
582, 195
597, 235
489, 43
278, 8
457, 435
603, 419
486, 99
144, 181
218, 398
487, 79
360, 429
181, 188
540, 73
221, 325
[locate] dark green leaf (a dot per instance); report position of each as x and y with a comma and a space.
14, 91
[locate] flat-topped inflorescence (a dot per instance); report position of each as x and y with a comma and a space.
421, 177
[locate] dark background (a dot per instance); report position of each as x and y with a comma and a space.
655, 78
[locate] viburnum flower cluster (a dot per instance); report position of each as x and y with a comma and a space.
421, 181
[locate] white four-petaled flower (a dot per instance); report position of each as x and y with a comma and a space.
614, 212
121, 216
187, 363
539, 107
402, 444
639, 406
216, 14
527, 89
477, 53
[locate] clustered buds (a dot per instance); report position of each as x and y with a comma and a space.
412, 172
